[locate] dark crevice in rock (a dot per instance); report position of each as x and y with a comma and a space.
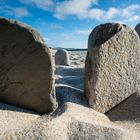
16, 83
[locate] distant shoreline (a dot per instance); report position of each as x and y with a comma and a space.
76, 49
71, 49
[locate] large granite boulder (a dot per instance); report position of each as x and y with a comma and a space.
137, 28
112, 66
26, 70
62, 57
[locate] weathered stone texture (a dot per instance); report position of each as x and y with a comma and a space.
112, 66
26, 71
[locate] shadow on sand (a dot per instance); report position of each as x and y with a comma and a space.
8, 107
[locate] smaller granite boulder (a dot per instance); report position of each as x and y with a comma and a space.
112, 66
137, 28
62, 57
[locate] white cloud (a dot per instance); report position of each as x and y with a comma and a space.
54, 26
134, 18
128, 14
83, 31
130, 10
18, 12
21, 12
112, 12
42, 4
73, 7
85, 10
47, 25
95, 13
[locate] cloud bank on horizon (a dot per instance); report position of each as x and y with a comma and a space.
67, 23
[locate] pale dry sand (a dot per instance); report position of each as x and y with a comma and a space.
12, 117
73, 114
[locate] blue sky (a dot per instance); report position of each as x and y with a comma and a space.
67, 23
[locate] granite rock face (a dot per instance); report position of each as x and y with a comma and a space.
137, 28
26, 69
112, 66
62, 57
72, 122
